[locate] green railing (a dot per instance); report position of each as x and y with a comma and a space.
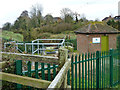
95, 70
45, 72
89, 70
44, 68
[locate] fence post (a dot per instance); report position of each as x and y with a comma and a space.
18, 71
111, 67
63, 56
118, 47
97, 69
68, 75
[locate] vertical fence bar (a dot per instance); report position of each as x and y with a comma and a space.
29, 71
85, 70
76, 71
49, 75
79, 71
72, 72
116, 79
82, 70
54, 71
68, 75
118, 61
97, 69
43, 71
29, 68
91, 69
111, 67
108, 69
114, 51
100, 69
18, 71
104, 68
88, 70
116, 66
118, 53
36, 70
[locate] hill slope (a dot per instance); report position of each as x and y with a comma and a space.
8, 35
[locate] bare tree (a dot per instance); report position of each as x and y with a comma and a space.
76, 15
36, 10
67, 14
36, 15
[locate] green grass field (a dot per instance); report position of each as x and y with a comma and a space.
7, 35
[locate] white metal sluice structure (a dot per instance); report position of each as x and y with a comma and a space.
41, 46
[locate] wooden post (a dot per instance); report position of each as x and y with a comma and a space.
62, 55
60, 80
65, 81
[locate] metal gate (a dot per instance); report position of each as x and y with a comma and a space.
94, 70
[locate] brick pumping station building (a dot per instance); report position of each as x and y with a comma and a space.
96, 36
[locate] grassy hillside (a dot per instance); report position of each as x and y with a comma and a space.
8, 35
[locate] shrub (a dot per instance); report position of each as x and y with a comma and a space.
70, 48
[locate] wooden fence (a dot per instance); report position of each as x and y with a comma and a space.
59, 80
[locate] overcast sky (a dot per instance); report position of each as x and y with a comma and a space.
91, 9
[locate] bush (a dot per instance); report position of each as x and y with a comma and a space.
48, 49
56, 28
73, 41
62, 27
70, 48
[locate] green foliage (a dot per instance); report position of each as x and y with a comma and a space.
38, 33
70, 48
48, 19
6, 26
68, 18
54, 29
34, 25
49, 50
114, 24
8, 35
74, 42
61, 28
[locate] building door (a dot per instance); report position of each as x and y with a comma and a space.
104, 43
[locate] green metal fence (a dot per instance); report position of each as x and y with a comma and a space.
94, 70
40, 71
89, 70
